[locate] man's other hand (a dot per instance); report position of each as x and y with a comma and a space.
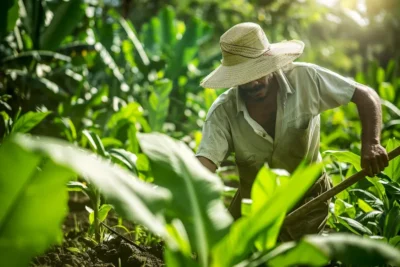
374, 159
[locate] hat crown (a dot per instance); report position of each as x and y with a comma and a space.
245, 39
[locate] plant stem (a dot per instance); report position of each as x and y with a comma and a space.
96, 221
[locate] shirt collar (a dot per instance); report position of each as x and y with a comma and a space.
284, 85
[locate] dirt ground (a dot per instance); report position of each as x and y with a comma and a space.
77, 250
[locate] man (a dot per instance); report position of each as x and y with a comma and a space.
270, 115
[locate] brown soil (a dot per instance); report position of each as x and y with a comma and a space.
77, 250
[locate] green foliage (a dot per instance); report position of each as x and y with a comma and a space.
131, 197
27, 121
57, 30
158, 104
317, 250
196, 192
112, 73
8, 16
393, 170
26, 211
246, 230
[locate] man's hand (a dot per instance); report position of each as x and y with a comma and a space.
374, 159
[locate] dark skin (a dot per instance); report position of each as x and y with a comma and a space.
260, 98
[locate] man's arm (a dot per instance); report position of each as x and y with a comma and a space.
374, 157
207, 163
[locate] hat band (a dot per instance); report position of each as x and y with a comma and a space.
244, 51
234, 54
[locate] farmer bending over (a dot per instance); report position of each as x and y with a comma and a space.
271, 114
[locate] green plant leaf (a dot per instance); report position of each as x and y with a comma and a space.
370, 216
346, 156
393, 169
8, 16
358, 251
196, 191
302, 253
23, 79
344, 207
368, 197
168, 27
28, 121
395, 241
26, 210
128, 114
109, 62
266, 183
130, 31
386, 91
316, 250
353, 225
130, 197
26, 58
187, 47
159, 104
244, 232
58, 29
392, 223
128, 158
103, 212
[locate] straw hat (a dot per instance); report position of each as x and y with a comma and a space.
247, 56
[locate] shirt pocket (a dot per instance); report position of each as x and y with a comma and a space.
248, 167
294, 145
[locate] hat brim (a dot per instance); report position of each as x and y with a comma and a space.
279, 55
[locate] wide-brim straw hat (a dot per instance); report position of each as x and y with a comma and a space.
247, 55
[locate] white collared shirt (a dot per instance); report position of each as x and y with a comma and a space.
305, 90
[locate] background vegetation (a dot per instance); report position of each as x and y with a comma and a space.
98, 73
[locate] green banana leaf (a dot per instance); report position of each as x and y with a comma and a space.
196, 192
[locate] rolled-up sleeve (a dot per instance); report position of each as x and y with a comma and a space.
216, 139
334, 89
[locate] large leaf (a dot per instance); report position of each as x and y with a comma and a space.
28, 121
302, 253
23, 79
346, 156
131, 197
33, 204
24, 59
393, 170
186, 49
353, 226
350, 249
317, 250
196, 191
168, 26
392, 223
58, 29
109, 62
130, 31
344, 207
370, 216
368, 197
266, 183
8, 16
158, 104
244, 232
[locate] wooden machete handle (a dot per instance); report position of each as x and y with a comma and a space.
304, 209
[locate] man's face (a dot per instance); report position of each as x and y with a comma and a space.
257, 89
